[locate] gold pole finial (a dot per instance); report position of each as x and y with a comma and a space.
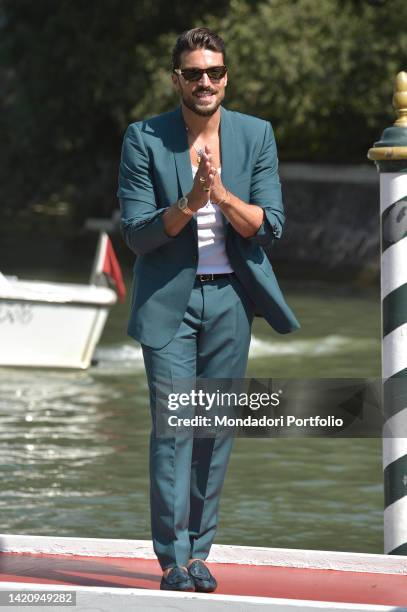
400, 99
392, 145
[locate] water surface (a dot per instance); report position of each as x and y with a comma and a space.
74, 445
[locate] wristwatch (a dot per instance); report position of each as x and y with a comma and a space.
183, 206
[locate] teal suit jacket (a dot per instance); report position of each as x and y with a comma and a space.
155, 171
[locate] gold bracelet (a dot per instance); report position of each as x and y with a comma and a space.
224, 199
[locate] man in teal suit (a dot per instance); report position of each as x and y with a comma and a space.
200, 199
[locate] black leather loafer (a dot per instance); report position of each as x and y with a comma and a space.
177, 579
203, 579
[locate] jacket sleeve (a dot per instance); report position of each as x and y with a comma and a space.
141, 220
266, 191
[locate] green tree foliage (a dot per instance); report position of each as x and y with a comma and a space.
321, 71
76, 73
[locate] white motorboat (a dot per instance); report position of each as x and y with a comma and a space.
57, 325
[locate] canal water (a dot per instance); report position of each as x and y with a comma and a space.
74, 445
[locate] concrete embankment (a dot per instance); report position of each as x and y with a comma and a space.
332, 221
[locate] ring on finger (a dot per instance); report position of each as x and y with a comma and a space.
202, 179
206, 188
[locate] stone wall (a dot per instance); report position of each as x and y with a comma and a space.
332, 220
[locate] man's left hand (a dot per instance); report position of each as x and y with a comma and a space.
245, 218
218, 190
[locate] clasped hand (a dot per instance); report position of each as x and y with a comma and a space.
207, 184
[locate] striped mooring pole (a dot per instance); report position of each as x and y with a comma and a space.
390, 156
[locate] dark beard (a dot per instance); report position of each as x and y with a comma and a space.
201, 112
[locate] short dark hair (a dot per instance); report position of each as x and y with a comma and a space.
197, 38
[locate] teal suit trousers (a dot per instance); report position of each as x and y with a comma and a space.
187, 473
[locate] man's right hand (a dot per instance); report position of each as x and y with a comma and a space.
197, 197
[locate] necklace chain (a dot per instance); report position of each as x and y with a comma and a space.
199, 150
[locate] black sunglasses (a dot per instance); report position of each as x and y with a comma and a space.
215, 73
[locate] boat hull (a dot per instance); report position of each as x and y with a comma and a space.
55, 325
49, 335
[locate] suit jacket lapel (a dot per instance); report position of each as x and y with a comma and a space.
181, 153
182, 159
227, 147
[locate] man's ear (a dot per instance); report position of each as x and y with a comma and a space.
175, 82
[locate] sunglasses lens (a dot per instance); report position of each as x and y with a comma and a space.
216, 73
192, 74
